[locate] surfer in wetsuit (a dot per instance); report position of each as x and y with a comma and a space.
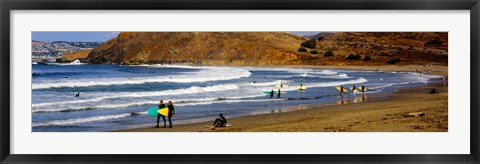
171, 112
78, 94
362, 88
281, 85
353, 87
341, 90
278, 95
271, 94
220, 122
161, 106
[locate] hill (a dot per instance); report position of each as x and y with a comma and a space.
232, 48
52, 50
273, 48
69, 57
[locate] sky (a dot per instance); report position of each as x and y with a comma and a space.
74, 36
96, 36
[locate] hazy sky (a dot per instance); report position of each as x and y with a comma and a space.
96, 36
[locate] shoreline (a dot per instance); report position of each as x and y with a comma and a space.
389, 112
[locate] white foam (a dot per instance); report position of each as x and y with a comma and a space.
190, 90
337, 83
327, 72
81, 120
75, 62
208, 74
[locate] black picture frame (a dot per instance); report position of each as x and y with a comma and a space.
8, 5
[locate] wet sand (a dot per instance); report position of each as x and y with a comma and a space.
408, 110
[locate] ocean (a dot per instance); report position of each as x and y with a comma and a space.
114, 97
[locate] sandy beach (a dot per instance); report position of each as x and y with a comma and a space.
407, 110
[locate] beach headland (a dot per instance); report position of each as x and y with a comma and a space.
407, 110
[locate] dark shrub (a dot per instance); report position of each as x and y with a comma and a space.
393, 61
436, 42
353, 57
328, 53
313, 52
302, 49
309, 43
367, 58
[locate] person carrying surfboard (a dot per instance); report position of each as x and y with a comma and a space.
220, 122
362, 88
278, 95
271, 94
341, 90
171, 112
161, 106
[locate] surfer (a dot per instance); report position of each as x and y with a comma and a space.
353, 87
78, 94
161, 106
220, 122
171, 112
278, 95
362, 88
271, 94
341, 90
281, 85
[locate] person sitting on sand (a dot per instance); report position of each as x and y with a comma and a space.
278, 95
220, 121
271, 94
78, 94
171, 112
161, 106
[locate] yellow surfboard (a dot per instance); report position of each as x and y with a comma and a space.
302, 87
344, 89
163, 111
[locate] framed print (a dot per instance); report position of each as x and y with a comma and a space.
240, 81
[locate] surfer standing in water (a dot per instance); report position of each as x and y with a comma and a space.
161, 106
278, 95
171, 112
362, 88
78, 94
271, 94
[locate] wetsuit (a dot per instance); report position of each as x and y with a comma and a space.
171, 112
278, 95
363, 89
271, 94
161, 106
220, 122
341, 90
